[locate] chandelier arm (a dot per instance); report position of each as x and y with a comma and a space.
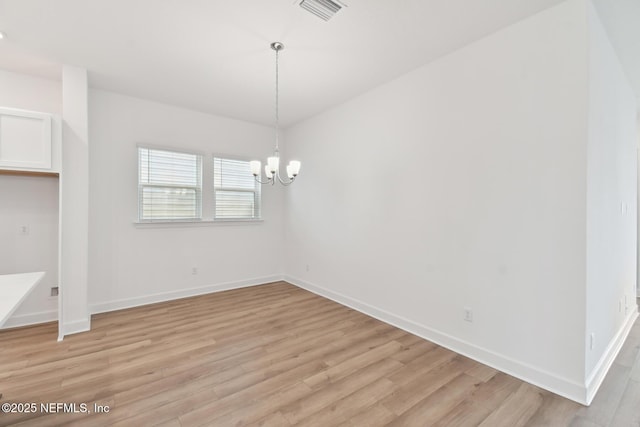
268, 181
285, 183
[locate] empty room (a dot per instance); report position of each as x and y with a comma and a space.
319, 213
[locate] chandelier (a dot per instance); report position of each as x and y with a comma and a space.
272, 168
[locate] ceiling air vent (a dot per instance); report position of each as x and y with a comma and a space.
324, 9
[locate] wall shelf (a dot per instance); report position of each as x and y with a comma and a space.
29, 173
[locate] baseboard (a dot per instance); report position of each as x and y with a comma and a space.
182, 293
17, 321
594, 380
531, 374
74, 327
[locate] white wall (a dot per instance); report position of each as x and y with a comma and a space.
31, 201
611, 203
460, 184
30, 93
133, 264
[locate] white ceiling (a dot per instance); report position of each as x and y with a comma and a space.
214, 55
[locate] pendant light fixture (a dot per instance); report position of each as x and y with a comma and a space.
272, 168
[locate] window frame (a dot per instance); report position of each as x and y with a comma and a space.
198, 188
257, 190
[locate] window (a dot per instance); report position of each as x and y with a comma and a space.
236, 192
169, 185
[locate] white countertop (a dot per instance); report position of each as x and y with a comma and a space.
14, 288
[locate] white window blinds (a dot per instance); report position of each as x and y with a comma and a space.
169, 185
237, 194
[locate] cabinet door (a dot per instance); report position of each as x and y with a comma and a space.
25, 139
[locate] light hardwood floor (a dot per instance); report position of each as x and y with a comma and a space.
276, 355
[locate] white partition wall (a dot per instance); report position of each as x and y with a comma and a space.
74, 188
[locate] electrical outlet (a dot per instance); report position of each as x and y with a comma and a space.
307, 267
194, 270
468, 314
24, 230
54, 291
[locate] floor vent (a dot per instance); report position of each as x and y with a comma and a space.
324, 9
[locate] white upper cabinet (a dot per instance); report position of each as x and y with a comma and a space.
25, 140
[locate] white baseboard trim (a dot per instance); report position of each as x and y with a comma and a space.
531, 374
20, 320
74, 327
182, 293
595, 379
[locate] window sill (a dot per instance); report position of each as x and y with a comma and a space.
195, 223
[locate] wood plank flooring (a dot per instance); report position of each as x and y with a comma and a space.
276, 355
